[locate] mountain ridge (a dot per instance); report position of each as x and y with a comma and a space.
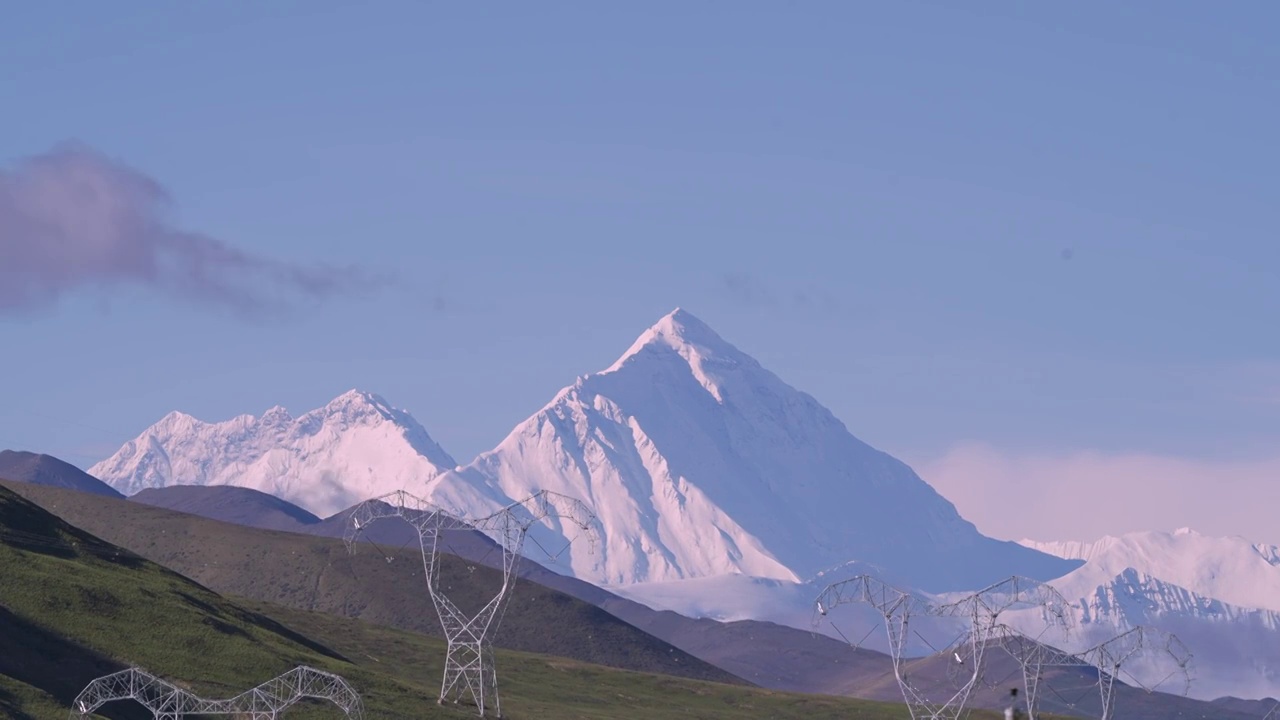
1231, 569
41, 469
697, 459
378, 584
229, 503
702, 462
356, 446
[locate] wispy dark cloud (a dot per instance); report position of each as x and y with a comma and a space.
73, 219
750, 289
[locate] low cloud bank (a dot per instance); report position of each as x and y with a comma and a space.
1085, 495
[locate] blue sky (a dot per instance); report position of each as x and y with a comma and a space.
994, 240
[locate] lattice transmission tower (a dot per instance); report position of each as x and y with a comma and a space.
896, 607
981, 609
267, 701
469, 657
1033, 656
1169, 657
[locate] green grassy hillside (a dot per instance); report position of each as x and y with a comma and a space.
316, 573
537, 687
74, 607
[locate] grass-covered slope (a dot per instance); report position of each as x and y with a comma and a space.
537, 687
74, 607
766, 654
317, 573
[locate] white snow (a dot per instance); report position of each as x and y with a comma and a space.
1231, 569
723, 492
358, 446
700, 462
1236, 650
1219, 595
729, 598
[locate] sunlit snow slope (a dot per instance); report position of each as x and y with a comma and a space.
1231, 569
701, 462
698, 461
356, 447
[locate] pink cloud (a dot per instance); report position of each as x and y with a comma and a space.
73, 218
1085, 495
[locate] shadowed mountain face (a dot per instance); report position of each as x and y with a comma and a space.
39, 469
1253, 708
381, 583
242, 506
254, 509
357, 446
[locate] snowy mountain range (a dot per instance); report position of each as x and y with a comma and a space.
724, 492
354, 448
1231, 569
698, 461
1217, 595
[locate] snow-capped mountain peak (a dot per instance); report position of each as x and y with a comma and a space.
709, 357
701, 462
356, 446
355, 404
698, 461
722, 490
1132, 597
179, 422
1232, 569
276, 416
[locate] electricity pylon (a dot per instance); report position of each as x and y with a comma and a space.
469, 657
267, 701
